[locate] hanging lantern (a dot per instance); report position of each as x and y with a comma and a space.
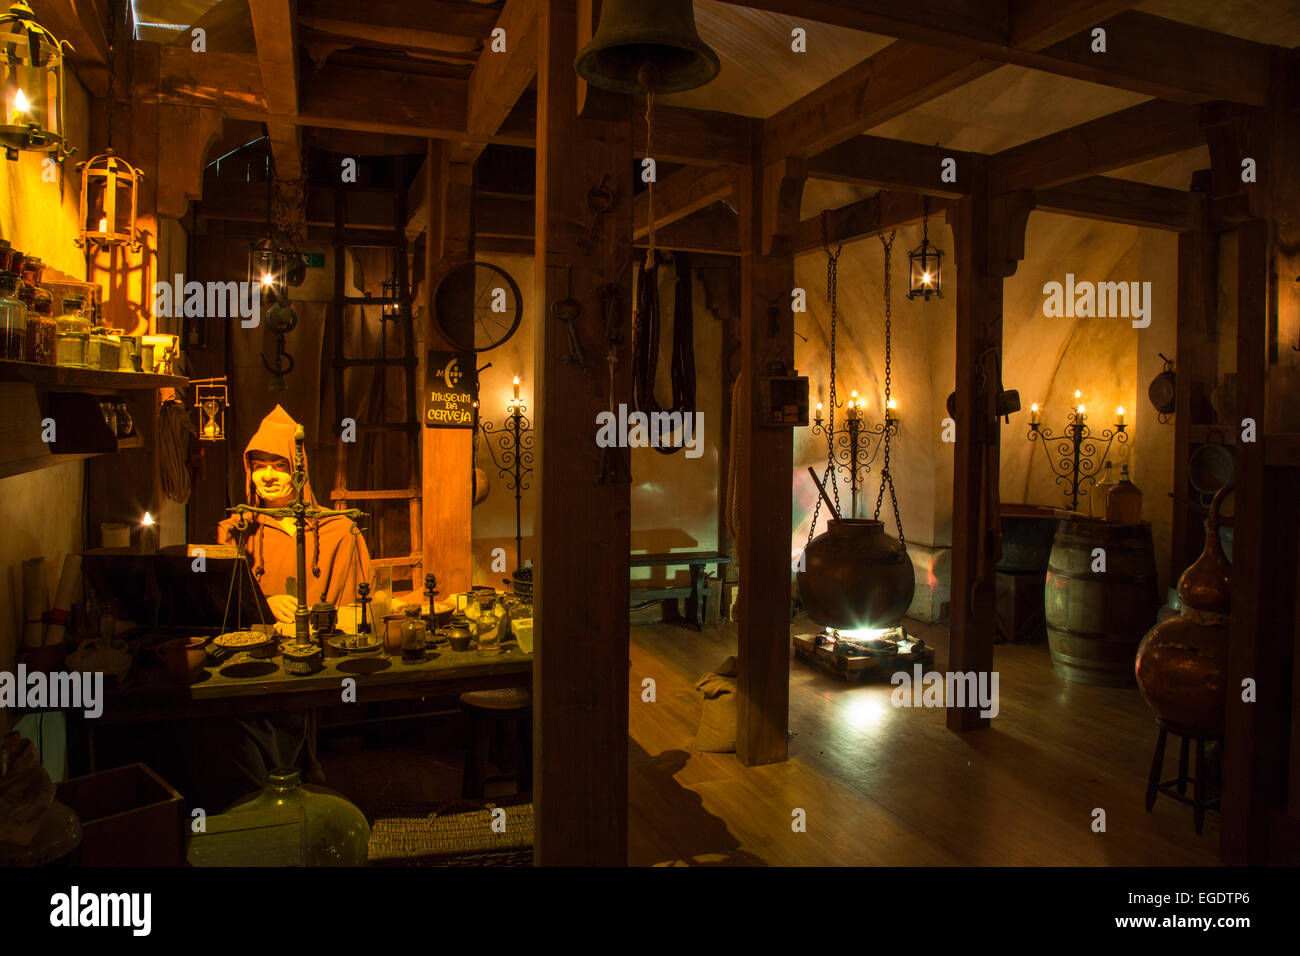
211, 400
391, 291
925, 260
108, 192
274, 265
31, 83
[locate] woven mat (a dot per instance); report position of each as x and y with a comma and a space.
451, 835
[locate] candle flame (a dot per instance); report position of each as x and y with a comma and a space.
20, 102
266, 278
1080, 409
891, 404
1033, 407
147, 520
1120, 410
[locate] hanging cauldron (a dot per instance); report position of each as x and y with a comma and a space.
1182, 663
855, 576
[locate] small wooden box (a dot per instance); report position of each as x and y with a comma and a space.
129, 817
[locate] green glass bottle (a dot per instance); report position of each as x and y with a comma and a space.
335, 832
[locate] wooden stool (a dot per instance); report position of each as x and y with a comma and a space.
1177, 787
486, 710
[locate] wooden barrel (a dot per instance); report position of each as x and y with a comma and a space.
1095, 619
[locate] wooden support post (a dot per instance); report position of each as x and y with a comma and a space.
447, 456
583, 538
1196, 363
989, 234
768, 201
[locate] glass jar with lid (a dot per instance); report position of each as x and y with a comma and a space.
414, 631
13, 319
72, 336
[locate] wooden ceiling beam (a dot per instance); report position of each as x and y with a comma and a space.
349, 18
901, 77
1163, 58
891, 164
865, 217
684, 192
84, 24
383, 101
275, 30
1119, 200
499, 79
1146, 131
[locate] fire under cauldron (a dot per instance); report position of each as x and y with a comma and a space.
855, 576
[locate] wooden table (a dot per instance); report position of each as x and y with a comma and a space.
243, 686
697, 595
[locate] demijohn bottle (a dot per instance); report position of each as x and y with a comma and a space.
1097, 500
1124, 501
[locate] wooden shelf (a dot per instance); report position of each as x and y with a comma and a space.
64, 376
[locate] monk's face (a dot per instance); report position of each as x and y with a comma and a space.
272, 481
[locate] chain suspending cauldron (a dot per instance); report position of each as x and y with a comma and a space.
855, 576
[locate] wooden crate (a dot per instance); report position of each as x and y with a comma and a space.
129, 817
856, 667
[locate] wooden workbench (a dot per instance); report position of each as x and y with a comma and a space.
242, 685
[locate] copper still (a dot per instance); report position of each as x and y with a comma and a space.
1182, 662
856, 576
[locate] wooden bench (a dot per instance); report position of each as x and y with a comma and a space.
697, 595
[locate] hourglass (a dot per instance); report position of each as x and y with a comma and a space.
211, 400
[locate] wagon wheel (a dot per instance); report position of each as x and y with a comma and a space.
477, 306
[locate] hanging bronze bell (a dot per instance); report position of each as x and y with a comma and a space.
647, 45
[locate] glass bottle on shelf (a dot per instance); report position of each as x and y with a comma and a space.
13, 319
72, 336
1124, 501
41, 329
334, 830
413, 635
1097, 500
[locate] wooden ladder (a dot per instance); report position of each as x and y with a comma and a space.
374, 432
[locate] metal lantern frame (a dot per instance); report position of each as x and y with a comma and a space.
211, 391
31, 84
103, 174
926, 260
274, 264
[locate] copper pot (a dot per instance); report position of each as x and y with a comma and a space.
1182, 663
1181, 668
856, 576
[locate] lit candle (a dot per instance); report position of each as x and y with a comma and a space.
148, 534
891, 410
1081, 409
516, 386
1034, 417
21, 106
103, 224
853, 404
819, 412
1119, 415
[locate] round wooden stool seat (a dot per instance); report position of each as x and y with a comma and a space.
502, 698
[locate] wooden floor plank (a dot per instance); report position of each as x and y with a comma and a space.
886, 785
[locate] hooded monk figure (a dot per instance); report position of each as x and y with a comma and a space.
337, 559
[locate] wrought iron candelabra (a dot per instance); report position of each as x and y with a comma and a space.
511, 449
1077, 458
854, 447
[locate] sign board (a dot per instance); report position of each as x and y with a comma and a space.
450, 390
